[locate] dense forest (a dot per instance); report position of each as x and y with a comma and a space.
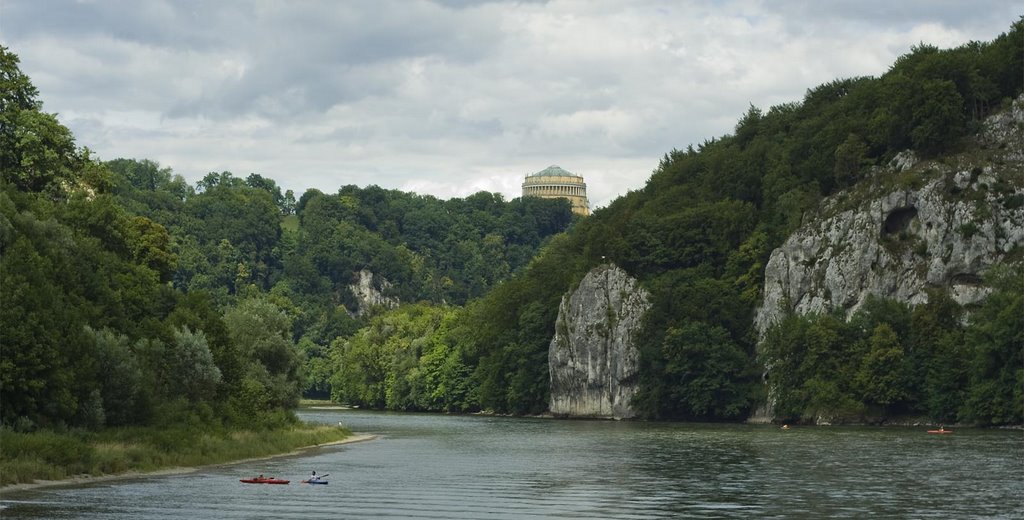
132, 297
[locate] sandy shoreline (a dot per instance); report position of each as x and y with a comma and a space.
88, 479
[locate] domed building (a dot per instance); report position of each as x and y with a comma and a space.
555, 183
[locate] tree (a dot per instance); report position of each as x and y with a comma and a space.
262, 333
37, 153
850, 159
938, 117
882, 377
996, 335
142, 175
194, 371
937, 357
707, 375
150, 245
123, 386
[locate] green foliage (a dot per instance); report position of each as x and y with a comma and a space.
239, 226
427, 249
809, 369
881, 378
707, 375
123, 389
92, 334
192, 366
37, 153
271, 371
996, 337
402, 360
850, 159
891, 360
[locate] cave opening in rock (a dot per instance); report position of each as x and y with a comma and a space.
898, 220
966, 279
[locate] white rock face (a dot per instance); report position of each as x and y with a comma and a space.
896, 247
369, 295
593, 359
946, 233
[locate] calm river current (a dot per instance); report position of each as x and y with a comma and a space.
437, 466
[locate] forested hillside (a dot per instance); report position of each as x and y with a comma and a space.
698, 236
132, 297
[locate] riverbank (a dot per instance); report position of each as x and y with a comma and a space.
45, 459
78, 480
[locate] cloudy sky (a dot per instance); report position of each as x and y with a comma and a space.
449, 97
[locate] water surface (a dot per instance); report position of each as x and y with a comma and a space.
436, 466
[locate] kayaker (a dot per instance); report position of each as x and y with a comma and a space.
313, 477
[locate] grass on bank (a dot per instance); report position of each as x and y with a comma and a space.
48, 455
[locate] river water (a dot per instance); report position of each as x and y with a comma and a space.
437, 466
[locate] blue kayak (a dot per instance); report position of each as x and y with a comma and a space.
324, 482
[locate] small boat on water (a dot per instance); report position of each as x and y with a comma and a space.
263, 480
314, 482
941, 431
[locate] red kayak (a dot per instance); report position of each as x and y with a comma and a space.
940, 431
263, 480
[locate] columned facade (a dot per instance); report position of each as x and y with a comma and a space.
554, 183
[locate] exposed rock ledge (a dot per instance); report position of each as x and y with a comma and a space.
370, 294
963, 216
593, 359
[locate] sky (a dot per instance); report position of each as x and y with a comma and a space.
449, 97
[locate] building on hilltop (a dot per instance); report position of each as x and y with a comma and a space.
555, 183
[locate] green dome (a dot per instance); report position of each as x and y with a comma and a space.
553, 171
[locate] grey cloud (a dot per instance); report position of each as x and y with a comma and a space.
322, 61
465, 4
308, 57
370, 92
183, 23
902, 14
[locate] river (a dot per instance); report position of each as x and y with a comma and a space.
438, 466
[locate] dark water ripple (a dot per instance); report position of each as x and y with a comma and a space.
432, 466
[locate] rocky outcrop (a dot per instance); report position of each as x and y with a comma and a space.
370, 294
914, 225
593, 359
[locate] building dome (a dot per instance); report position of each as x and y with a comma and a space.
553, 171
554, 182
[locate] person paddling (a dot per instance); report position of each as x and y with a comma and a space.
314, 477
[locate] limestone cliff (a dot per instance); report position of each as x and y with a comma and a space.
592, 358
369, 293
913, 225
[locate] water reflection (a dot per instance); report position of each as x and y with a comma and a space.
434, 466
